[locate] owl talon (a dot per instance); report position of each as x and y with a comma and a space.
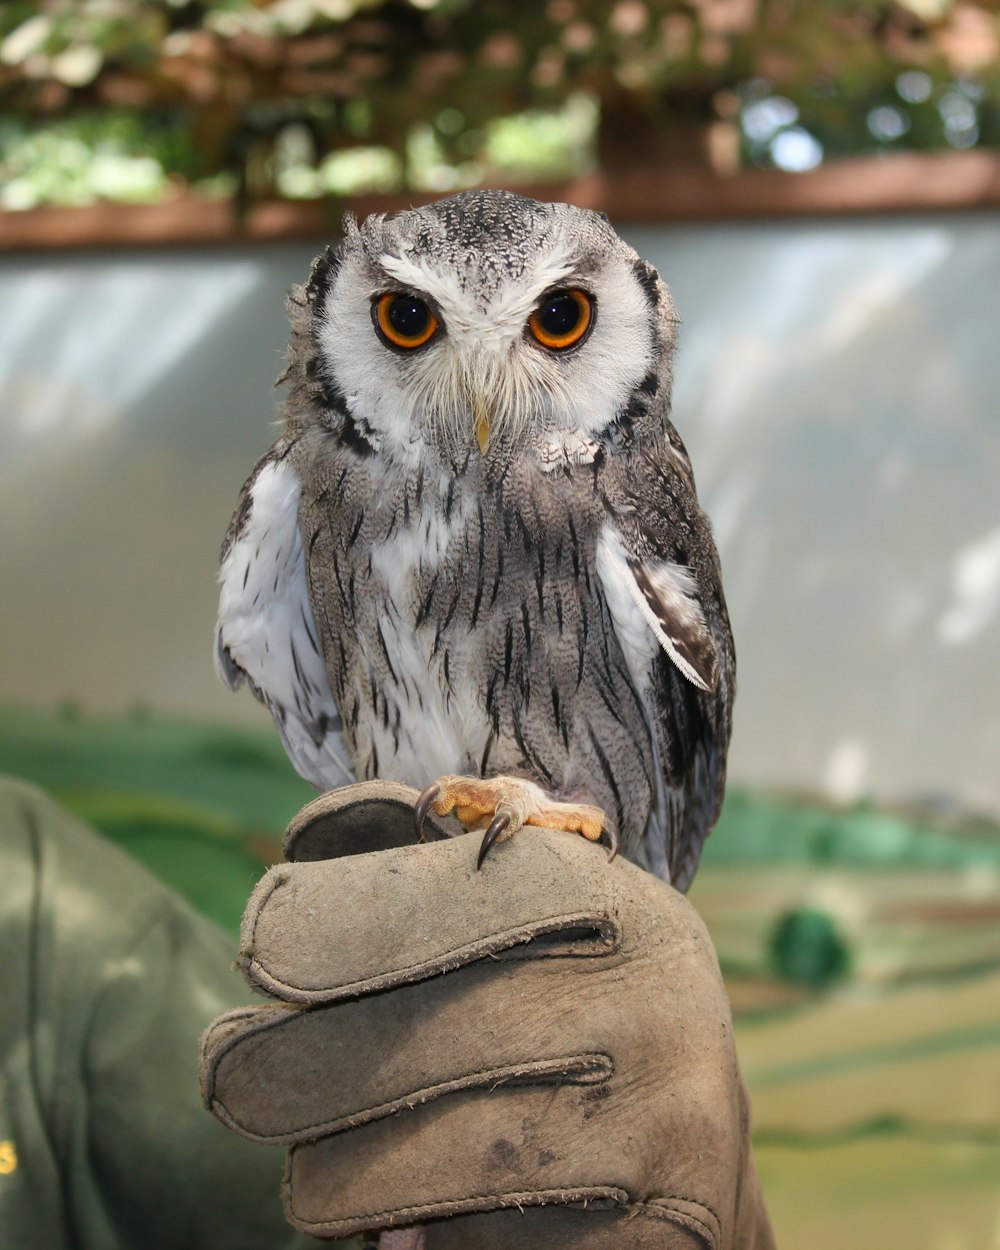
496, 827
611, 835
424, 804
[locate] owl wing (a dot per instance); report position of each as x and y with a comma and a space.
266, 634
670, 619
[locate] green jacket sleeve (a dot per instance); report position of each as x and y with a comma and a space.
106, 982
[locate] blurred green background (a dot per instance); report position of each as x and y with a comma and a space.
836, 385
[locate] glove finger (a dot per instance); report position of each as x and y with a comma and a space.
283, 1075
567, 1227
435, 912
360, 819
480, 1152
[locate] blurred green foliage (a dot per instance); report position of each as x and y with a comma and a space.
807, 949
133, 99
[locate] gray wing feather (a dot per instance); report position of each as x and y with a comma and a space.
660, 575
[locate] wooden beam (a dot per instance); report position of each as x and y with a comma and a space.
902, 183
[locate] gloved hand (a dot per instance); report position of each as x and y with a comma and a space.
537, 1054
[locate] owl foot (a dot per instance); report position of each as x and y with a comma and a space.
502, 805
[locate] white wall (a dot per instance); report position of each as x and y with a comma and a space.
837, 387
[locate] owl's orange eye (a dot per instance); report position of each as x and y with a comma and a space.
562, 319
404, 320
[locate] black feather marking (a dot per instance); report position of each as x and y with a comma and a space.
527, 538
540, 583
449, 501
581, 637
508, 652
340, 582
609, 775
556, 705
607, 693
562, 721
650, 384
647, 278
574, 547
526, 622
313, 538
491, 738
492, 706
324, 271
498, 577
385, 652
530, 757
295, 661
446, 619
424, 610
476, 603
355, 531
348, 431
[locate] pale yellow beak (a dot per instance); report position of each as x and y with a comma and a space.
481, 412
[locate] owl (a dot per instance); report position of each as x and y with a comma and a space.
474, 560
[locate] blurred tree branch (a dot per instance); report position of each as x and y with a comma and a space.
230, 81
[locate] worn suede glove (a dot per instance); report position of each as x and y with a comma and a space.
537, 1054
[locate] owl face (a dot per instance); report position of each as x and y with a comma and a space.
485, 318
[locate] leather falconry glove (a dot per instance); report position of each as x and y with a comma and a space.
537, 1054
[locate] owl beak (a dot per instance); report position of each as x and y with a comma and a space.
481, 412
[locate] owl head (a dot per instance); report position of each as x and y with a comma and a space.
465, 327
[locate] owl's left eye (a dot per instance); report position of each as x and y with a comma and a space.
562, 319
403, 320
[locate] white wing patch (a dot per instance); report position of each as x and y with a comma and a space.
664, 599
266, 633
568, 448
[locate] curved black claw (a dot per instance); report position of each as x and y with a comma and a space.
611, 835
423, 807
497, 825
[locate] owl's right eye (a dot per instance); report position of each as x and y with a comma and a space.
403, 320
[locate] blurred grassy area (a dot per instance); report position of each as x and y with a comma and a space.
882, 1193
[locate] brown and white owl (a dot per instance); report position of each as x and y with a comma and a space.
474, 561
